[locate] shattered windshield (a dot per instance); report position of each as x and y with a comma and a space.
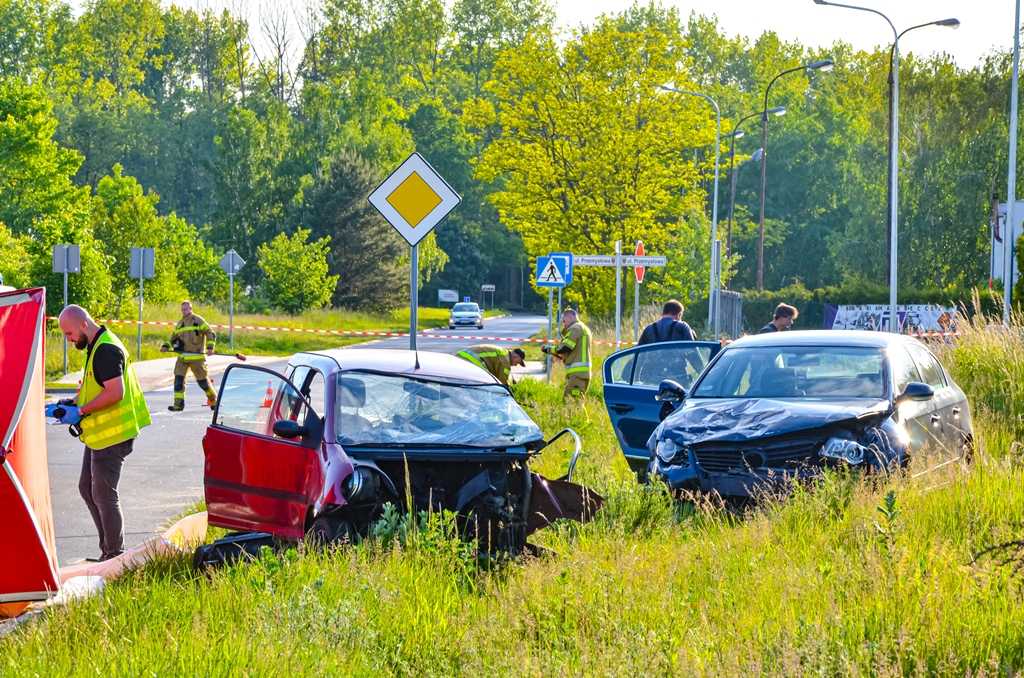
382, 409
796, 372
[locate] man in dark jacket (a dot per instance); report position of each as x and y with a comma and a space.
669, 327
782, 320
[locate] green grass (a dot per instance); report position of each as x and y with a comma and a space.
852, 577
253, 342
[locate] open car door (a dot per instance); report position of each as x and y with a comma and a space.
631, 379
263, 454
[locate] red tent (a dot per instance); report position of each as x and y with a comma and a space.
28, 553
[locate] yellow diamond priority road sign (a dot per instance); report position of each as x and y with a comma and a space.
414, 199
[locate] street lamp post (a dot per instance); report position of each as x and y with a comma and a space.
812, 66
712, 283
894, 129
736, 134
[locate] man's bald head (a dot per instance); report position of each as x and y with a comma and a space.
77, 325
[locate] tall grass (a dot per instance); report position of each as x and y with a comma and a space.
851, 576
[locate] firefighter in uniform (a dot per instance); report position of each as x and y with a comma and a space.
574, 351
192, 339
494, 359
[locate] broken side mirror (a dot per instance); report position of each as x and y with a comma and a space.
916, 391
286, 428
670, 391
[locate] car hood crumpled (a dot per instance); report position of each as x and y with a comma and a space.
740, 419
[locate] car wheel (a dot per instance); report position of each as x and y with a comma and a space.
328, 530
480, 327
451, 327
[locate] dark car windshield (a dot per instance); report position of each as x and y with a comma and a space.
382, 409
795, 372
465, 308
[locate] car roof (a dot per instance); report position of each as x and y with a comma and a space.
424, 364
861, 338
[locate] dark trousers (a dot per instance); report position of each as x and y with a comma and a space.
101, 471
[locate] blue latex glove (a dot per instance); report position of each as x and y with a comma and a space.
71, 415
49, 411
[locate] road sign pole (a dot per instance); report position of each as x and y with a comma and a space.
636, 310
138, 340
65, 305
547, 360
716, 285
618, 294
414, 294
231, 311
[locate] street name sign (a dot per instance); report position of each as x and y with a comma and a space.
627, 260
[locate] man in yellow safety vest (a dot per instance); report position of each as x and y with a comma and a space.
110, 410
192, 339
494, 359
574, 351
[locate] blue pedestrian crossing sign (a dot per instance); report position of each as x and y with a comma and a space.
554, 270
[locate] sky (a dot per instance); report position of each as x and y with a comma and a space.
984, 24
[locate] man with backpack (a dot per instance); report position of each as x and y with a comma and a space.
670, 327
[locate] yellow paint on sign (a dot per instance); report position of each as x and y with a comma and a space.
414, 199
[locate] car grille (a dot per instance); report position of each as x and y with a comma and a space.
781, 455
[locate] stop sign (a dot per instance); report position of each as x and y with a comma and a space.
639, 270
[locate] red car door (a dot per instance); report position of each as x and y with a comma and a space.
256, 479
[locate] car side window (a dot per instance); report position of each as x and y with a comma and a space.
621, 368
311, 384
904, 370
681, 364
252, 400
931, 371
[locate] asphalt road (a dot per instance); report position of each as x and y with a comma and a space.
164, 474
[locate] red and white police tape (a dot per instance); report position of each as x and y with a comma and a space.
425, 334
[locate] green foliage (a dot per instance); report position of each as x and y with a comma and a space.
295, 271
14, 262
588, 151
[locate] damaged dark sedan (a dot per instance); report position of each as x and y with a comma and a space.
771, 409
320, 450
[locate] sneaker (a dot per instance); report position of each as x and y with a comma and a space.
176, 407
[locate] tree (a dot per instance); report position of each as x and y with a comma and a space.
589, 151
296, 277
14, 262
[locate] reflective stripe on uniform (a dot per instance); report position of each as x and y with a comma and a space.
471, 357
575, 368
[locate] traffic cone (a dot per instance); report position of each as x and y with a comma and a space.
268, 399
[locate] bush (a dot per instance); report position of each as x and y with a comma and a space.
296, 272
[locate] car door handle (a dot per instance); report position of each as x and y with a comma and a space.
622, 409
956, 411
936, 419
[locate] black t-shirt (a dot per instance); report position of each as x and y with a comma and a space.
109, 361
770, 327
667, 329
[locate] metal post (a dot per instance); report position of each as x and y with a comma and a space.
547, 359
138, 341
558, 306
414, 294
231, 307
1011, 178
714, 200
636, 309
716, 267
732, 193
894, 144
764, 175
618, 294
65, 305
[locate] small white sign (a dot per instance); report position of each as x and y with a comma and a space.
447, 296
414, 199
487, 287
593, 260
627, 260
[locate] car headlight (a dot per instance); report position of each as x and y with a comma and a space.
844, 449
667, 450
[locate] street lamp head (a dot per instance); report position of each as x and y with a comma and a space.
950, 23
820, 2
777, 111
820, 65
738, 134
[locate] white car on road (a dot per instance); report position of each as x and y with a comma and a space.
466, 313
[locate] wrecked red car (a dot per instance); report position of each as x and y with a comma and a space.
320, 452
